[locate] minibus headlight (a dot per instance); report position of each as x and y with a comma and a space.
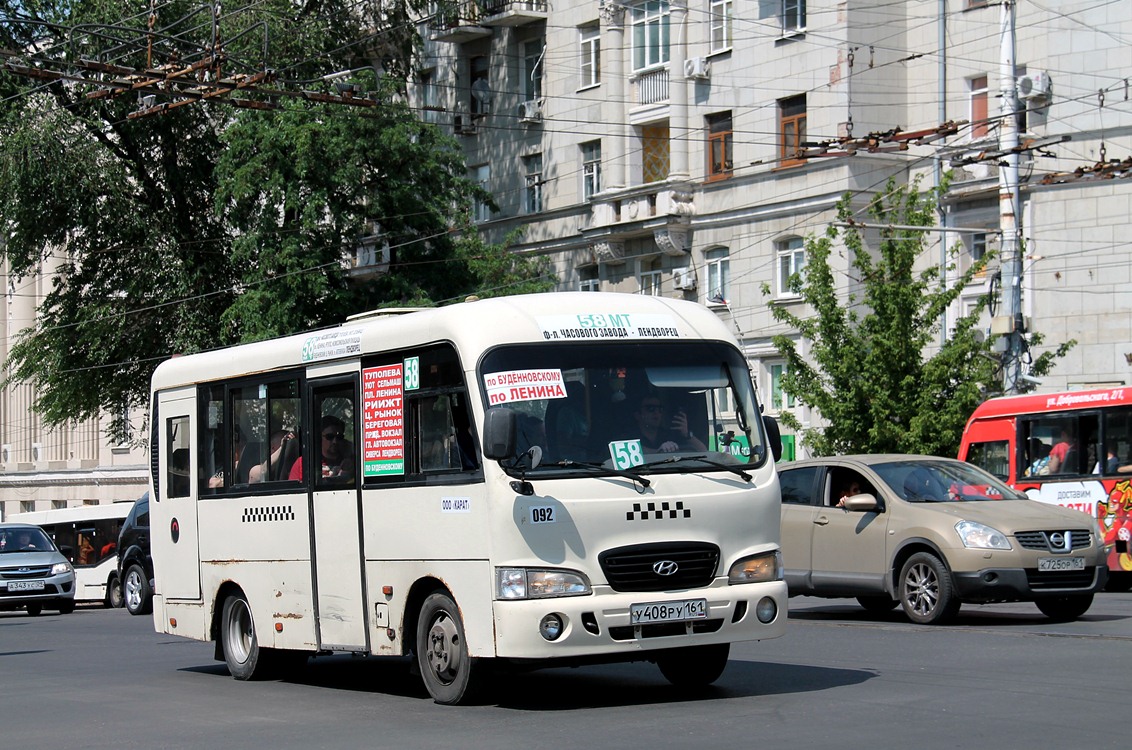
980, 536
534, 583
62, 568
757, 569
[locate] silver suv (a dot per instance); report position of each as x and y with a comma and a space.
930, 534
33, 573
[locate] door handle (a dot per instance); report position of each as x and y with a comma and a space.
821, 520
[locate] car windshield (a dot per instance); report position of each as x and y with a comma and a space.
942, 482
24, 540
626, 406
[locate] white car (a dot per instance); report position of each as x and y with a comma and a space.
33, 573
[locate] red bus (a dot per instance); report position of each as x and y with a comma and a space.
1072, 449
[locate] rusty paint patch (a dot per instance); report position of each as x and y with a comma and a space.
287, 616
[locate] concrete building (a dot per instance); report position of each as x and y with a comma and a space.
651, 147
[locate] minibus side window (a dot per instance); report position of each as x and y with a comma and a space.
992, 457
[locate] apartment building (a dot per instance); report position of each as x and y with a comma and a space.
652, 147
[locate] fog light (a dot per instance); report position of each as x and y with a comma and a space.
766, 610
550, 627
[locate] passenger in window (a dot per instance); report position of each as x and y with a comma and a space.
1059, 453
242, 459
660, 433
337, 452
848, 490
262, 472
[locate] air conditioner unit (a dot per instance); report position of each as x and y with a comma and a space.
684, 279
1035, 87
697, 67
462, 123
530, 111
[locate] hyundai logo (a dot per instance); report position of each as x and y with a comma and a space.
664, 567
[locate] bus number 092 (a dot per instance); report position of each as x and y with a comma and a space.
542, 514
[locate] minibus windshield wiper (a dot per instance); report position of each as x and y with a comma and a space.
702, 459
602, 469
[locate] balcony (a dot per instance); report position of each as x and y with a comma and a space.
512, 12
457, 23
650, 86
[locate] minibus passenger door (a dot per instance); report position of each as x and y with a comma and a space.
331, 460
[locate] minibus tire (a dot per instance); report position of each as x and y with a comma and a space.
66, 606
694, 667
447, 670
242, 653
114, 598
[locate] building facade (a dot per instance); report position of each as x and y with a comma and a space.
653, 147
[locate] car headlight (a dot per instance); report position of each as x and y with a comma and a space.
980, 536
534, 583
59, 569
760, 568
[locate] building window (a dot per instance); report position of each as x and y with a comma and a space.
481, 175
720, 25
779, 399
718, 275
793, 16
532, 195
589, 55
655, 147
791, 128
591, 169
720, 160
650, 278
650, 34
978, 89
532, 69
791, 261
480, 101
588, 279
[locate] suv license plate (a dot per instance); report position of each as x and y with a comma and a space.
677, 611
1047, 564
25, 585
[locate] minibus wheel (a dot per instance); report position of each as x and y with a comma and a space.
694, 666
238, 638
442, 651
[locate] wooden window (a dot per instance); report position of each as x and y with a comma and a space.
791, 129
720, 144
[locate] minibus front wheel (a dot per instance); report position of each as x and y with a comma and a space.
448, 671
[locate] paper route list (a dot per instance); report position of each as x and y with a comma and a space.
383, 428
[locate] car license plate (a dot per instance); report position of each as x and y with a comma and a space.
678, 611
1048, 564
25, 585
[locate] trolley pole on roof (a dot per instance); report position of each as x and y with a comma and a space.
1010, 324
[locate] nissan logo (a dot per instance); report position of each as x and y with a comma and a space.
664, 567
1059, 541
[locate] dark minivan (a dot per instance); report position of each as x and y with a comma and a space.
135, 565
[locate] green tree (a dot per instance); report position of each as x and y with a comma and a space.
209, 225
867, 370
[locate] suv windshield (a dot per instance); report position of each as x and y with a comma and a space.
629, 406
942, 482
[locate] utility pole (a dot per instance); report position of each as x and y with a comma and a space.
1010, 326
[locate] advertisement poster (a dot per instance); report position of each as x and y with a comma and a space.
383, 427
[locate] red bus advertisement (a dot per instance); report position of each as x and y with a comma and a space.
1072, 449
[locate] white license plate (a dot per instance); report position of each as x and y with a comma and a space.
25, 585
678, 611
1046, 564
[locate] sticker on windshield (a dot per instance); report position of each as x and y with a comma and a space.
523, 385
626, 453
607, 326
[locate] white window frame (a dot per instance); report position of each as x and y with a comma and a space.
532, 192
481, 175
591, 169
719, 24
779, 399
650, 282
790, 259
650, 23
589, 279
718, 266
793, 17
589, 56
533, 52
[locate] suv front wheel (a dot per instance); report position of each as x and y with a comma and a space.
926, 593
136, 590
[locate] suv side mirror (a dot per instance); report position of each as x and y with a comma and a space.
499, 427
860, 503
774, 435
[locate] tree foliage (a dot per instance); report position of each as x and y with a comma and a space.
209, 225
867, 370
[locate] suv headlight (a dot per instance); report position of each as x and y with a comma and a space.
535, 583
760, 568
980, 536
62, 568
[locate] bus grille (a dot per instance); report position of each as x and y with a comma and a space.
1039, 540
633, 568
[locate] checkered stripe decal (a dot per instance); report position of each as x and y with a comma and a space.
268, 513
666, 510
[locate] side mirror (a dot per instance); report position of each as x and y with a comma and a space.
774, 435
499, 433
860, 503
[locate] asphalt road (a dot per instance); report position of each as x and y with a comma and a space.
1002, 676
